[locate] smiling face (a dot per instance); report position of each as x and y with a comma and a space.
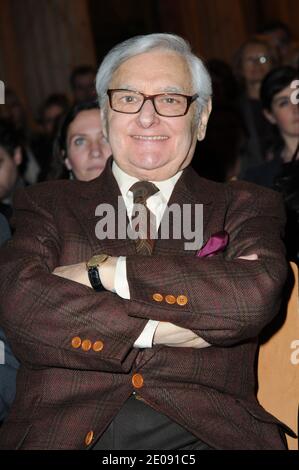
147, 145
87, 149
284, 113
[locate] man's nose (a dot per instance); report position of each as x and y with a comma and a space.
147, 115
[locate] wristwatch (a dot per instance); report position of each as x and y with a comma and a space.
93, 272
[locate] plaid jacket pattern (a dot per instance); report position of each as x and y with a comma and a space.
63, 392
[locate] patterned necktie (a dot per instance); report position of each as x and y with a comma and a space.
142, 190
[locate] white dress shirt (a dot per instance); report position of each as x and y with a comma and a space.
157, 205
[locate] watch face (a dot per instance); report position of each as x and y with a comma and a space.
97, 260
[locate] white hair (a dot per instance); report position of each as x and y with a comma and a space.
201, 80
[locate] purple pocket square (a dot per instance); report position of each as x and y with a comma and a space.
216, 243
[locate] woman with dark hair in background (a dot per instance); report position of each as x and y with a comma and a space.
14, 111
51, 111
80, 149
253, 61
281, 170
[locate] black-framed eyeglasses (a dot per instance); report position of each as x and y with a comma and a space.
165, 104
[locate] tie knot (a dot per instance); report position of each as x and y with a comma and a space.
142, 190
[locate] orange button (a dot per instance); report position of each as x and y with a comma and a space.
98, 346
137, 380
170, 299
158, 297
181, 300
76, 342
86, 345
89, 438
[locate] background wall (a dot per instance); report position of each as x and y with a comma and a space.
40, 43
42, 40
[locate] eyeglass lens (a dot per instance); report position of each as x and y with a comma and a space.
170, 104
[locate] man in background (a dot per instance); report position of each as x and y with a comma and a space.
82, 83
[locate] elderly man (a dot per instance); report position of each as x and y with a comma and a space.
137, 342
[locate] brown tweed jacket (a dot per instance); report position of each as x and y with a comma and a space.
64, 392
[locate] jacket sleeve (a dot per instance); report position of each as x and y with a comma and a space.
228, 299
41, 313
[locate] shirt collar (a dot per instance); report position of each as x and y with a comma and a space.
125, 181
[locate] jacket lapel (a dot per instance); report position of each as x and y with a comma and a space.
189, 190
87, 196
102, 190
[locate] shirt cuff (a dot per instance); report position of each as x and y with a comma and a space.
145, 339
121, 285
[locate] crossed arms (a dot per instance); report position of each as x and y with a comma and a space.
230, 299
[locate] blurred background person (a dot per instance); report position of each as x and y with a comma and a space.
8, 369
51, 111
4, 231
252, 62
280, 38
82, 81
292, 58
80, 149
281, 170
11, 162
216, 157
14, 111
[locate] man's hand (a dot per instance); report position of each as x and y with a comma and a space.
78, 273
169, 334
73, 272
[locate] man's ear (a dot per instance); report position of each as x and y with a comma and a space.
18, 156
205, 114
269, 116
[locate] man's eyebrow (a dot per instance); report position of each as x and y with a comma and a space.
167, 89
172, 89
126, 87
